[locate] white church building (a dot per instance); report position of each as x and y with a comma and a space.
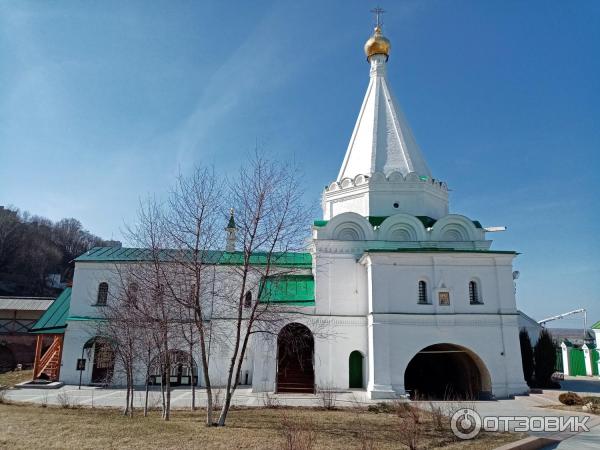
417, 301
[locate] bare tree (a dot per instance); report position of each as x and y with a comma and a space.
119, 328
153, 305
194, 218
197, 295
271, 223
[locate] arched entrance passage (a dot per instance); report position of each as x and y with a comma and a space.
103, 365
7, 358
447, 371
295, 355
183, 369
355, 367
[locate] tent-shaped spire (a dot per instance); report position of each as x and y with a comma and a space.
382, 140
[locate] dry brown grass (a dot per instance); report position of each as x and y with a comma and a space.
26, 426
573, 408
18, 376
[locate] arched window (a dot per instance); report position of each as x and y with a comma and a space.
192, 294
474, 297
102, 294
423, 292
248, 300
132, 292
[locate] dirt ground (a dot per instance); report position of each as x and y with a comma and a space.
27, 426
16, 377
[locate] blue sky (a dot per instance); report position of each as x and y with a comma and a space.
104, 102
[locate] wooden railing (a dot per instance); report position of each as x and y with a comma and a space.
51, 356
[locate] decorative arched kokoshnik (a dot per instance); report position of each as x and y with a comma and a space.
183, 372
447, 372
355, 367
103, 365
295, 357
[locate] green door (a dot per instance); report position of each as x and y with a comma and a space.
356, 369
576, 362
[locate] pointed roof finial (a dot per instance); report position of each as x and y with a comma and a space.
231, 223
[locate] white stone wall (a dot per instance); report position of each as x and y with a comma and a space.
398, 338
382, 287
378, 195
335, 338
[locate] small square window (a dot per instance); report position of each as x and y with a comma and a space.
444, 298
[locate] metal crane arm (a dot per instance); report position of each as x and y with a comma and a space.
560, 316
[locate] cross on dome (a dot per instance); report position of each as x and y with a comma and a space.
378, 12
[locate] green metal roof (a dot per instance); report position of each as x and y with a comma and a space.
54, 320
123, 254
438, 250
596, 326
291, 290
376, 221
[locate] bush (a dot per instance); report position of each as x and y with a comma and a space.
545, 360
328, 397
591, 399
437, 416
297, 435
570, 399
382, 407
526, 356
64, 400
409, 426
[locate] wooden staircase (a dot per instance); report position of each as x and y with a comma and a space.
296, 378
47, 366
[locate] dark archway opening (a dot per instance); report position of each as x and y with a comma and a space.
103, 365
7, 359
447, 372
295, 355
355, 363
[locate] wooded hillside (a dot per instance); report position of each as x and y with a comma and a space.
32, 248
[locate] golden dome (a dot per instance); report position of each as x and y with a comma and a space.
377, 44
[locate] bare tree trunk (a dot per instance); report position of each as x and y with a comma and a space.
192, 383
167, 414
132, 397
162, 390
146, 398
126, 410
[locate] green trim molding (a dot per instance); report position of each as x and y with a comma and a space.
439, 250
376, 221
